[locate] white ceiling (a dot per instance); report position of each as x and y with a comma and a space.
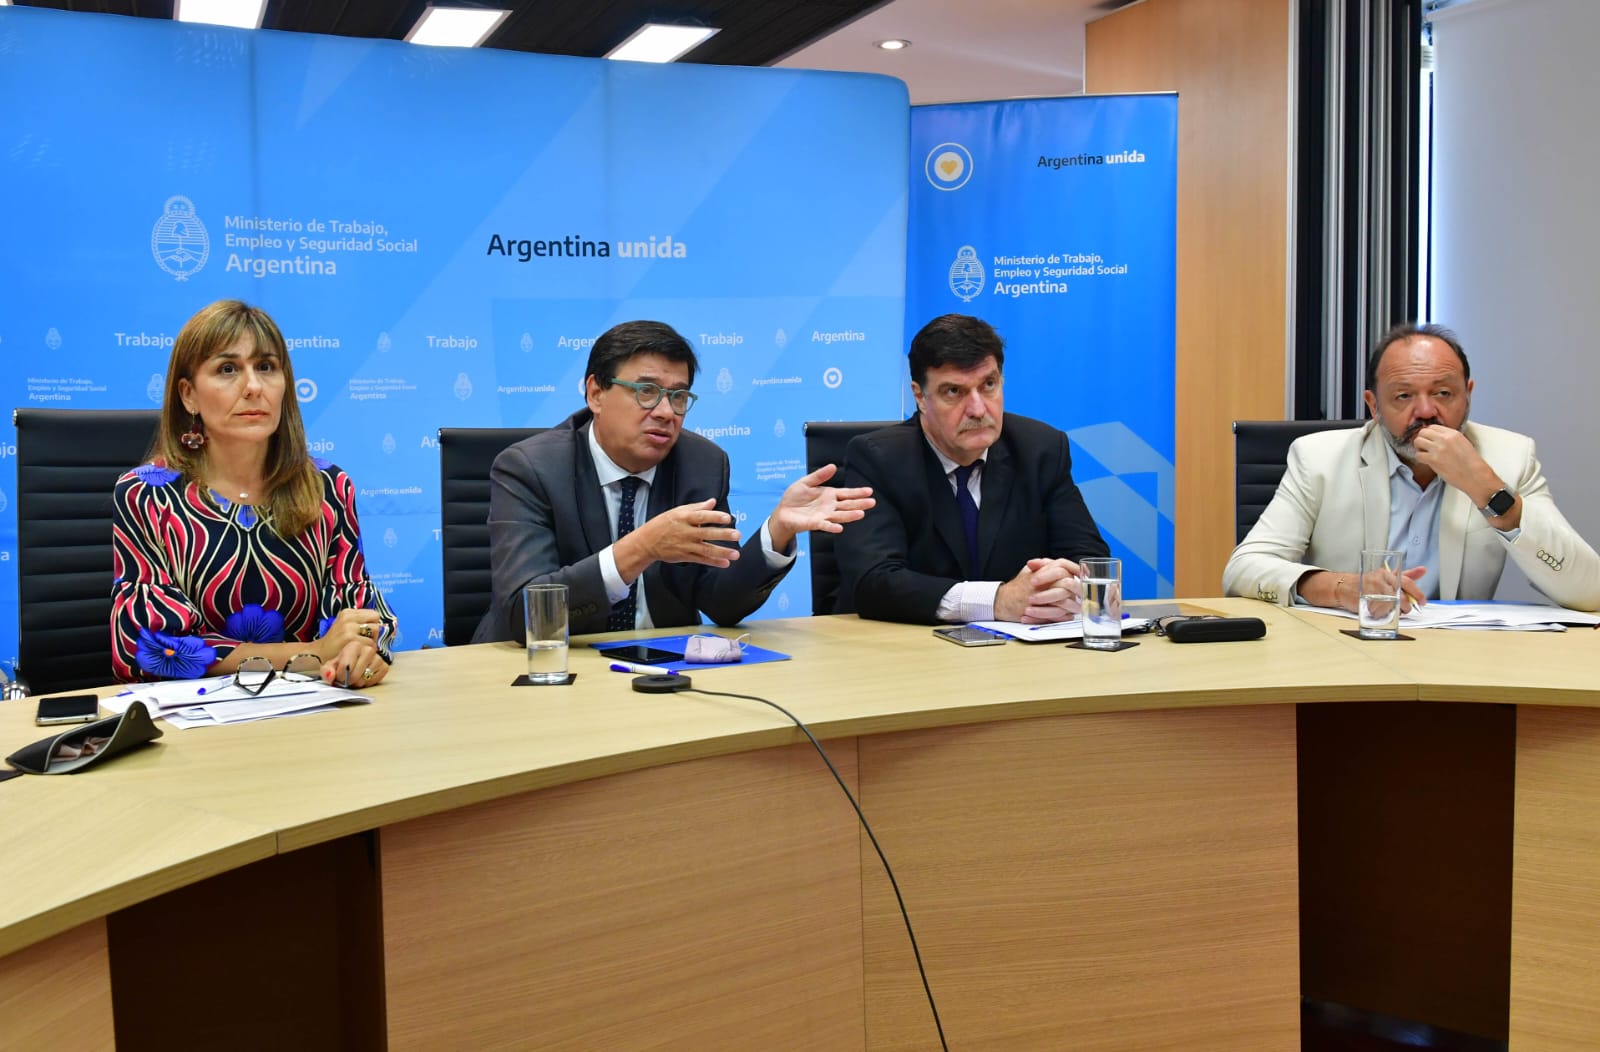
965, 50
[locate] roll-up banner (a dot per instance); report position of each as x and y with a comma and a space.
1055, 220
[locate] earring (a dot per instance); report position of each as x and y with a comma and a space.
193, 438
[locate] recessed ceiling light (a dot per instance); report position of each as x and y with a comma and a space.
892, 45
455, 26
653, 42
245, 14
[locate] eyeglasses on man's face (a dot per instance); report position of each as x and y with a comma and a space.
255, 673
649, 395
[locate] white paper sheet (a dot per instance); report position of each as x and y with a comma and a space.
1061, 631
1504, 617
216, 702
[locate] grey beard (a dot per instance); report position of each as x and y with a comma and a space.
1406, 449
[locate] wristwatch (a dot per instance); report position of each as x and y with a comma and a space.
1500, 502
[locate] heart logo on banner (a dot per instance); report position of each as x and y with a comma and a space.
948, 166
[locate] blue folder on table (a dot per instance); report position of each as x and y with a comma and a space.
753, 655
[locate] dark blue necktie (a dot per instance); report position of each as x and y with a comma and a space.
969, 513
622, 613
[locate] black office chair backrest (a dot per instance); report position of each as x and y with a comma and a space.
1260, 455
68, 461
825, 444
465, 456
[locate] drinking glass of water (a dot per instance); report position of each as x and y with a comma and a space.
545, 610
1101, 580
1379, 613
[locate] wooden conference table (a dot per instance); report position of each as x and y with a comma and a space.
1160, 848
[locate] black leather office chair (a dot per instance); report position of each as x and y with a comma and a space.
825, 444
1260, 456
68, 460
465, 456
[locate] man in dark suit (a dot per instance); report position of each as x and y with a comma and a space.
630, 512
978, 517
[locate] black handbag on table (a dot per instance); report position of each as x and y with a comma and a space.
64, 753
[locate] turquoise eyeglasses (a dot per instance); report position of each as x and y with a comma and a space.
649, 395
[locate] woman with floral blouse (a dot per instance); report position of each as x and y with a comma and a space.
233, 542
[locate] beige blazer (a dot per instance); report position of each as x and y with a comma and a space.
1334, 501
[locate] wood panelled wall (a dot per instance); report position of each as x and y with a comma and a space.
1229, 61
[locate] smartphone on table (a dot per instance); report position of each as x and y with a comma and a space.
967, 636
73, 708
641, 654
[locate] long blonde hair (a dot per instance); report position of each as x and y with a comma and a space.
294, 489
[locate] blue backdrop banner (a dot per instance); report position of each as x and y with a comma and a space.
441, 234
1055, 220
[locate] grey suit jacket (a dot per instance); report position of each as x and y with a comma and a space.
547, 525
1334, 501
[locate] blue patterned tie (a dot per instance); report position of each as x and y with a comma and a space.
969, 513
622, 613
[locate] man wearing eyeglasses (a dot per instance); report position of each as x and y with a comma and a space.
978, 518
630, 512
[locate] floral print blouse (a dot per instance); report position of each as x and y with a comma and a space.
196, 577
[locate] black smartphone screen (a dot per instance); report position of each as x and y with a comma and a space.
73, 706
642, 654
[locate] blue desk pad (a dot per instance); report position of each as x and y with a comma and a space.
753, 655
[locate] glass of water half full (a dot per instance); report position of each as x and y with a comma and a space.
1101, 580
545, 607
1379, 614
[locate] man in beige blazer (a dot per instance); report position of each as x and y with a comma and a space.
1458, 497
